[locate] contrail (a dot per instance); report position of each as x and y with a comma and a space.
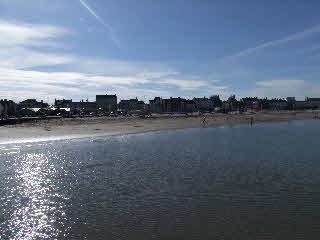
297, 36
107, 26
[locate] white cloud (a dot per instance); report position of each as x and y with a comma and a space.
141, 93
185, 84
21, 34
217, 88
83, 77
153, 75
192, 84
96, 75
42, 85
50, 85
37, 79
112, 67
284, 88
283, 84
17, 38
19, 57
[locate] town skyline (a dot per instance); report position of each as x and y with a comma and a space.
110, 104
146, 100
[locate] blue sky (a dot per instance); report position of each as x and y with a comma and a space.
146, 48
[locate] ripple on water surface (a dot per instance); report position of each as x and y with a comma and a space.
226, 183
32, 200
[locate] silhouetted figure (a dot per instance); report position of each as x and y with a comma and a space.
204, 121
251, 121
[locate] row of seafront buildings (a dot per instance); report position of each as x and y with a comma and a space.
214, 103
103, 103
63, 107
109, 104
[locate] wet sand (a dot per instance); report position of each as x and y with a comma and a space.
100, 126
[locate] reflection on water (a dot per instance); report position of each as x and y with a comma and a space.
32, 202
233, 182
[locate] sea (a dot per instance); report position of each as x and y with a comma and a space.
228, 182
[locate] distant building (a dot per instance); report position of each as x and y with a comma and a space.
204, 104
85, 107
278, 104
291, 99
7, 108
107, 102
156, 105
231, 104
312, 99
301, 105
262, 104
291, 103
131, 105
315, 102
27, 112
32, 103
216, 101
159, 105
248, 103
190, 106
309, 103
64, 103
174, 104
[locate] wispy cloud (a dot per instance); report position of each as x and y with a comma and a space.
18, 39
187, 84
50, 85
100, 20
297, 36
284, 88
81, 77
283, 83
22, 34
77, 85
154, 75
21, 58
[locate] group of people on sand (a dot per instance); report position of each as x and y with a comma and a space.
204, 121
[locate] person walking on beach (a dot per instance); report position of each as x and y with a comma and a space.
251, 121
204, 120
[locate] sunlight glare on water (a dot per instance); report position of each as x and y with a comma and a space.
33, 206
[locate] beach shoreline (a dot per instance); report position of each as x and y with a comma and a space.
103, 126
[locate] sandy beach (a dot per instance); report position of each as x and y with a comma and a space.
100, 126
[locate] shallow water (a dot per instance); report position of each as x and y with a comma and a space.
233, 182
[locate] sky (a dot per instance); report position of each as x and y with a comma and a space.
169, 48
